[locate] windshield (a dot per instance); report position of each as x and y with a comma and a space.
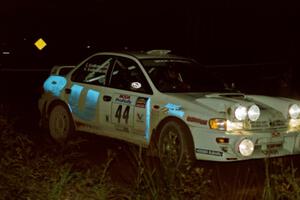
172, 75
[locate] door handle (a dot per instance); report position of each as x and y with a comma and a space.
106, 98
68, 91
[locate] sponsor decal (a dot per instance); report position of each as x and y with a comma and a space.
90, 67
209, 152
173, 109
136, 85
196, 120
275, 134
140, 117
123, 99
141, 102
173, 106
122, 128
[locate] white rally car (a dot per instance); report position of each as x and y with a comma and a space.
170, 104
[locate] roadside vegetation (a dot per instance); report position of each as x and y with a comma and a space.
33, 167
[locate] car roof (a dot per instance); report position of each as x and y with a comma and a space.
152, 54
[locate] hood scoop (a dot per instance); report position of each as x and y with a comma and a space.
221, 101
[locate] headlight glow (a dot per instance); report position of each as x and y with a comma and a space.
240, 113
225, 125
253, 112
231, 126
294, 111
294, 123
246, 147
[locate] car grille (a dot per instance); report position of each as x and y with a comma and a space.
278, 123
265, 124
268, 149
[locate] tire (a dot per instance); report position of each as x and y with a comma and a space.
175, 145
61, 124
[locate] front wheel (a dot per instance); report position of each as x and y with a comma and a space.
175, 146
60, 123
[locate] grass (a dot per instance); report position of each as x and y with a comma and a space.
282, 181
32, 167
31, 170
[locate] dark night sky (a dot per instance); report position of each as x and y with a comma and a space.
215, 32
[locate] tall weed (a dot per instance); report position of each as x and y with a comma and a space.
282, 180
36, 169
155, 182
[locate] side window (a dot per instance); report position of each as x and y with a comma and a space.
93, 71
127, 75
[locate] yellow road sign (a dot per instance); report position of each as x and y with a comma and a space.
40, 44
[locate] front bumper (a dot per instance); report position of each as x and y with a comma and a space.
267, 143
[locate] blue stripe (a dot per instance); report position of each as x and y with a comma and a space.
91, 101
74, 98
174, 110
148, 116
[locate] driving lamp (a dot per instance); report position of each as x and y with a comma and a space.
240, 113
246, 147
294, 111
253, 112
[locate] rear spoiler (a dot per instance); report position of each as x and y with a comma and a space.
61, 70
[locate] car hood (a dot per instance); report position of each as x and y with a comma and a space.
217, 102
272, 108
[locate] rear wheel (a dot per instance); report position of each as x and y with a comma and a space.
60, 123
175, 146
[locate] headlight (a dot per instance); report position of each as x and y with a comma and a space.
225, 125
254, 113
240, 113
294, 111
232, 126
246, 147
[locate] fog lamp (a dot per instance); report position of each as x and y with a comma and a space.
246, 147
